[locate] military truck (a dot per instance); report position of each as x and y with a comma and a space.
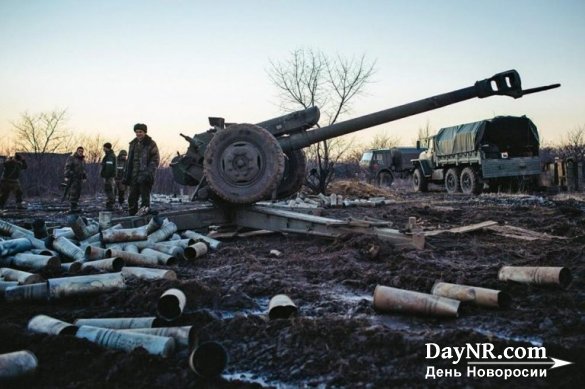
382, 166
468, 157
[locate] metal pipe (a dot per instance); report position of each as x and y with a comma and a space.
175, 251
67, 248
13, 246
7, 228
52, 253
162, 258
93, 240
93, 253
185, 336
213, 243
30, 292
105, 219
23, 278
387, 299
541, 275
479, 296
195, 250
36, 243
163, 233
119, 322
79, 228
6, 284
281, 307
144, 273
85, 285
43, 324
17, 364
171, 304
131, 248
175, 236
66, 232
209, 359
154, 224
31, 261
133, 258
155, 345
124, 234
107, 264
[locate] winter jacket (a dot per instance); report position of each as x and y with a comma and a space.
143, 159
12, 168
109, 165
120, 167
75, 168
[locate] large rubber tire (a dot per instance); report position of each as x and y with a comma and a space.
419, 181
243, 164
295, 166
385, 179
452, 182
470, 182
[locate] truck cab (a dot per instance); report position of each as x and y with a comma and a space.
382, 166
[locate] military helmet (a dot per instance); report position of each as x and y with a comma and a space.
123, 153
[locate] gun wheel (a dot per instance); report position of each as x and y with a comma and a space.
294, 173
243, 164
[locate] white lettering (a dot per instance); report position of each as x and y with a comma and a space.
430, 373
432, 347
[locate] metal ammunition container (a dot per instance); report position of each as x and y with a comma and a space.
7, 228
124, 234
23, 278
17, 364
479, 296
67, 248
40, 229
213, 243
171, 304
281, 307
185, 336
163, 233
107, 264
133, 258
148, 273
30, 292
195, 250
66, 232
155, 345
80, 229
71, 267
93, 253
119, 322
13, 246
44, 324
131, 248
209, 359
154, 224
6, 284
162, 258
543, 275
36, 243
52, 253
169, 248
387, 299
35, 261
105, 219
85, 285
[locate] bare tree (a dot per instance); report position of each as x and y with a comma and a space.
310, 78
383, 140
42, 133
573, 145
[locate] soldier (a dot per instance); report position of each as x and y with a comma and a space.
10, 183
74, 176
108, 173
143, 159
120, 167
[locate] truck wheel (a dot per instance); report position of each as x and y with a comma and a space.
243, 164
385, 179
419, 181
452, 181
470, 182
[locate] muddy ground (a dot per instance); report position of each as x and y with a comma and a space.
338, 339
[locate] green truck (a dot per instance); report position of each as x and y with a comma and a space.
489, 153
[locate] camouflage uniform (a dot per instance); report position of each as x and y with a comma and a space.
143, 159
108, 173
75, 174
120, 166
10, 183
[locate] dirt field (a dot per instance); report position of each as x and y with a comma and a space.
338, 339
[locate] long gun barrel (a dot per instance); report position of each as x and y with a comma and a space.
506, 83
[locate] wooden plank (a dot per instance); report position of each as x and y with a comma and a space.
460, 230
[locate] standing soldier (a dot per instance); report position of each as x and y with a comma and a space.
108, 173
10, 183
120, 166
143, 159
74, 176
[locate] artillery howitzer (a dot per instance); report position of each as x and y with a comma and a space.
245, 163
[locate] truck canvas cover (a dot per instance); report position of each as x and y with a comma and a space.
507, 133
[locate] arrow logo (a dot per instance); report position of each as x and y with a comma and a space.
554, 363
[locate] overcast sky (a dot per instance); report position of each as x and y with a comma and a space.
171, 64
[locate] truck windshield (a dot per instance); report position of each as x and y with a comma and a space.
366, 158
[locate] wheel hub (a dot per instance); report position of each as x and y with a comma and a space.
241, 162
